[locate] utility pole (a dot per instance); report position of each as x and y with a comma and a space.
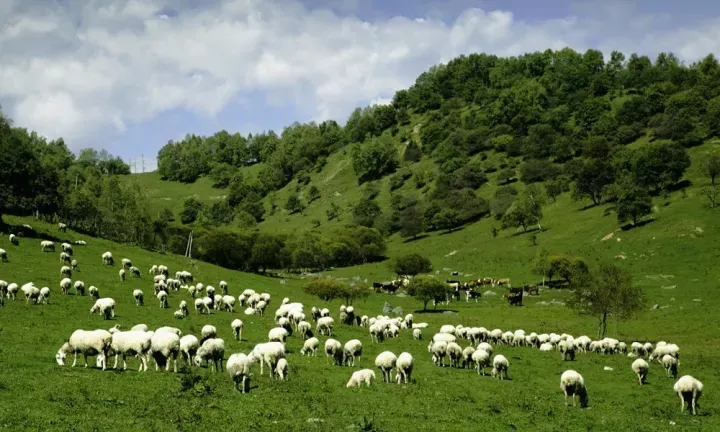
142, 157
188, 249
76, 181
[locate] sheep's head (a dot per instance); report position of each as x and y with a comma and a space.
93, 309
584, 399
197, 359
62, 353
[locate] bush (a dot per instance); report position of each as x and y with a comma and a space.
190, 211
537, 170
410, 265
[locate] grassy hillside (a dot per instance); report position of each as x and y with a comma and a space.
37, 394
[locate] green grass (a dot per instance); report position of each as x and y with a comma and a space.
37, 394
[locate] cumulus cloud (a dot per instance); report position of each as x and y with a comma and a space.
80, 69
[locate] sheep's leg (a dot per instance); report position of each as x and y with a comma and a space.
116, 360
566, 401
682, 402
694, 398
74, 359
175, 364
86, 363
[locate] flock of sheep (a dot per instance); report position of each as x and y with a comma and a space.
165, 344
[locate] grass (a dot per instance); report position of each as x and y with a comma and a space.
35, 393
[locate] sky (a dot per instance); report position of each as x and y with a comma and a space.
129, 75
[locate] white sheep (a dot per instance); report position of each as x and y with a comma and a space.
689, 389
238, 367
223, 287
189, 345
454, 353
351, 351
641, 369
268, 353
74, 265
47, 246
65, 271
81, 242
444, 337
362, 376
135, 271
573, 384
438, 349
164, 346
325, 325
229, 303
163, 270
65, 258
417, 334
500, 366
67, 248
126, 263
333, 349
404, 367
310, 346
386, 362
12, 290
201, 307
138, 296
14, 240
481, 358
106, 306
87, 343
662, 350
670, 364
277, 334
467, 361
305, 329
31, 292
162, 298
377, 333
282, 369
79, 288
207, 332
139, 327
121, 273
237, 327
44, 295
567, 350
547, 346
211, 350
448, 329
170, 330
107, 259
135, 343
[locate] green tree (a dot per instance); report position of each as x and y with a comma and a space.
190, 211
632, 201
526, 211
266, 252
711, 167
541, 264
412, 152
607, 293
374, 159
593, 179
553, 189
427, 289
365, 212
166, 215
328, 289
410, 265
411, 222
294, 204
313, 193
504, 176
333, 212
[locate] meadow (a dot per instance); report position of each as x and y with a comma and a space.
37, 394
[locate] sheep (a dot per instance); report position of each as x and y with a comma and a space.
362, 376
223, 287
404, 368
500, 366
282, 369
547, 346
164, 346
689, 389
79, 288
325, 325
445, 337
229, 303
448, 329
333, 349
310, 346
268, 353
162, 270
87, 343
467, 357
126, 263
454, 352
250, 311
189, 345
325, 312
670, 364
305, 329
351, 351
139, 327
107, 259
121, 273
237, 327
74, 265
439, 351
47, 246
138, 296
417, 334
212, 349
106, 306
65, 258
641, 369
62, 227
94, 292
14, 240
44, 295
31, 292
662, 350
12, 290
409, 320
518, 338
208, 332
567, 350
169, 330
386, 361
162, 298
481, 358
238, 367
136, 343
485, 347
153, 270
135, 271
81, 242
65, 271
277, 334
572, 384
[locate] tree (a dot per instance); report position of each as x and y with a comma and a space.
190, 211
632, 201
505, 176
711, 167
610, 292
553, 189
294, 204
427, 289
329, 289
313, 193
527, 210
592, 180
266, 252
365, 213
541, 264
711, 193
411, 222
410, 265
374, 159
333, 212
412, 152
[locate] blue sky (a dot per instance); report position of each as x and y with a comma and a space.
129, 75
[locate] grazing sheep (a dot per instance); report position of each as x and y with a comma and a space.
567, 350
87, 343
238, 367
65, 258
277, 334
661, 350
467, 353
47, 246
94, 292
417, 334
386, 362
282, 369
14, 240
641, 369
107, 259
445, 337
223, 287
237, 327
138, 296
106, 306
121, 273
65, 271
162, 298
74, 265
250, 311
67, 248
80, 242
153, 270
305, 329
208, 332
670, 364
689, 389
79, 288
310, 346
65, 285
325, 326
189, 345
352, 351
44, 295
572, 384
211, 350
31, 292
135, 271
333, 349
404, 368
229, 303
62, 227
500, 367
170, 330
481, 358
362, 376
454, 352
268, 353
165, 346
162, 270
448, 329
126, 263
547, 346
139, 327
485, 347
135, 343
12, 290
439, 351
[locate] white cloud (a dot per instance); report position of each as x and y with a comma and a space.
81, 72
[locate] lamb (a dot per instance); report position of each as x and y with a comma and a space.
454, 351
208, 332
238, 367
65, 271
79, 288
126, 263
211, 350
572, 384
333, 349
386, 362
74, 265
352, 351
325, 325
107, 259
310, 346
500, 367
362, 376
237, 327
670, 364
162, 298
268, 353
417, 334
44, 295
14, 240
121, 273
87, 343
439, 351
135, 343
189, 345
481, 359
689, 389
567, 350
282, 369
223, 287
404, 368
164, 346
47, 246
641, 369
138, 296
12, 290
106, 306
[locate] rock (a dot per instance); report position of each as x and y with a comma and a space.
608, 237
670, 287
607, 368
449, 313
398, 310
655, 306
696, 300
400, 295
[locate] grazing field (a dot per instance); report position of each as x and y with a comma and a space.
37, 394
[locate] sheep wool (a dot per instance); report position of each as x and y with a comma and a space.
362, 376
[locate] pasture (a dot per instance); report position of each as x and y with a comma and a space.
37, 394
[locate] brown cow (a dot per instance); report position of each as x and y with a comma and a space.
503, 281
